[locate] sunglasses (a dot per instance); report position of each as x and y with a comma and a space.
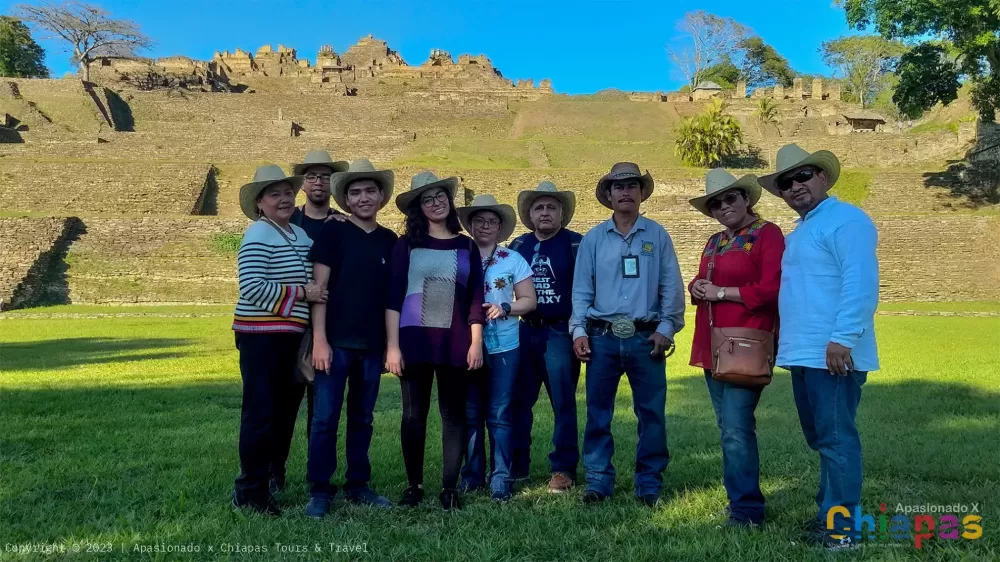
730, 199
802, 176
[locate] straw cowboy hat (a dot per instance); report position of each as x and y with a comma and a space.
421, 183
318, 158
718, 181
361, 169
489, 203
792, 156
264, 176
526, 199
624, 171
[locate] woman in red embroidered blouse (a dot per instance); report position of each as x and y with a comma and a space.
743, 293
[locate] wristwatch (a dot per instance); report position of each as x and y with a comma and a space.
721, 294
506, 309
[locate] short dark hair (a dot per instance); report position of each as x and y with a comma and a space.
378, 184
417, 225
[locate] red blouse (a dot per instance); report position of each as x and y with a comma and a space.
751, 260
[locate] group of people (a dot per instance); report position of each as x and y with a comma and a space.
494, 324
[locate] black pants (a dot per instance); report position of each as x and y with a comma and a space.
271, 399
416, 384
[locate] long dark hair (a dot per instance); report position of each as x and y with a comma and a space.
417, 224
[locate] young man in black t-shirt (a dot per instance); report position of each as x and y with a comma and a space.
352, 259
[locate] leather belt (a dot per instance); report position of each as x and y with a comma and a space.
543, 322
640, 326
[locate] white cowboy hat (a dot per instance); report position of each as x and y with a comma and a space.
361, 169
792, 156
318, 158
526, 199
624, 171
421, 183
718, 181
489, 203
264, 176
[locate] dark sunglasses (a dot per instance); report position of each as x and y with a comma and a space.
802, 176
730, 199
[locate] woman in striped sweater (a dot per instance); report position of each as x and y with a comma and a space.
272, 314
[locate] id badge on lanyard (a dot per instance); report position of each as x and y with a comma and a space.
630, 267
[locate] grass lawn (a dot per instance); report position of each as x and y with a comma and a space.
122, 431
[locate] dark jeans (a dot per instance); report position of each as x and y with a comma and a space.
734, 413
827, 406
285, 432
610, 358
362, 372
490, 396
271, 399
546, 359
416, 384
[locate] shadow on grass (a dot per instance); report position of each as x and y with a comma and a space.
68, 352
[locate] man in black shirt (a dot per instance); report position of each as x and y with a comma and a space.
352, 259
317, 168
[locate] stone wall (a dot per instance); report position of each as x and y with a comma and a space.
23, 242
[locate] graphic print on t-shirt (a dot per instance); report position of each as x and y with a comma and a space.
544, 277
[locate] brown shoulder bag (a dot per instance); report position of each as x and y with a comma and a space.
740, 356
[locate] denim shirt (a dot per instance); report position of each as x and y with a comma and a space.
829, 287
600, 292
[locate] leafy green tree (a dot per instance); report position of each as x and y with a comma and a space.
706, 139
20, 55
763, 67
926, 77
863, 61
972, 26
725, 74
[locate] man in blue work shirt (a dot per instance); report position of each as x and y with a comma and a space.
827, 302
546, 343
628, 303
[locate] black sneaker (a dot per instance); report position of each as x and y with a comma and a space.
449, 499
276, 484
255, 503
813, 530
318, 506
412, 496
591, 497
502, 495
367, 496
650, 500
832, 544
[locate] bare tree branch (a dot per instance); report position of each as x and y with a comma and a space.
706, 39
89, 30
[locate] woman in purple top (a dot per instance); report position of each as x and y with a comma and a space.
434, 324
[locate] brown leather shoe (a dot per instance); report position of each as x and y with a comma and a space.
560, 482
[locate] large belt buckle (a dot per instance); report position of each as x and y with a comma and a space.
623, 328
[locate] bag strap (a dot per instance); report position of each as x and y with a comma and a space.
295, 250
711, 268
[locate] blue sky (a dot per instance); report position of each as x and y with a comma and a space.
582, 46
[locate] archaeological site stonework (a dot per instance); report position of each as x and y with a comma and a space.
123, 190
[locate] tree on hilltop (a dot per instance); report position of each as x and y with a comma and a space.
972, 26
707, 41
762, 66
864, 62
20, 55
89, 30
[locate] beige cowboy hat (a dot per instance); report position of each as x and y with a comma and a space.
624, 171
318, 158
526, 199
719, 181
361, 169
264, 176
792, 156
422, 182
489, 203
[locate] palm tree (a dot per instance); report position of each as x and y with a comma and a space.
708, 138
766, 114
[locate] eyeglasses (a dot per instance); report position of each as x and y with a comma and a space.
785, 183
730, 199
441, 197
480, 221
314, 178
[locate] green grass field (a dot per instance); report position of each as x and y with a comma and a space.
121, 431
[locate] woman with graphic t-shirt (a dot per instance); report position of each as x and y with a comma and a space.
434, 324
509, 293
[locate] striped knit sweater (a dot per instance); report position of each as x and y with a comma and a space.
270, 274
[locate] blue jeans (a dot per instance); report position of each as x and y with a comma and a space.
491, 393
547, 358
734, 413
827, 406
362, 371
610, 357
